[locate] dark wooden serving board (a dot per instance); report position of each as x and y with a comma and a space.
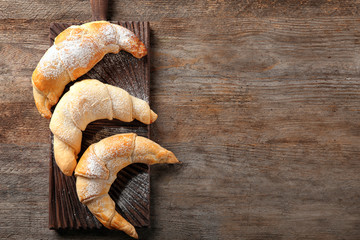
131, 190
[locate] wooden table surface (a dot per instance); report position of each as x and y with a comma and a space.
260, 100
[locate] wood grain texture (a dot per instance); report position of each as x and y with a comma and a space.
99, 9
131, 189
258, 99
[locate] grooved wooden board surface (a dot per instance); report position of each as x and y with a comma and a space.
131, 189
258, 99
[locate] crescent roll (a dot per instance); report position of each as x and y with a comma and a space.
75, 51
98, 168
85, 102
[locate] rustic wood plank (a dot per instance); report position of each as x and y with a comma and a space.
258, 99
144, 10
131, 189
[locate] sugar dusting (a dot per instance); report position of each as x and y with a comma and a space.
124, 37
124, 150
90, 101
116, 152
87, 101
94, 188
50, 65
95, 167
81, 49
78, 54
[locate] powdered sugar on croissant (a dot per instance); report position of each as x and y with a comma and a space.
75, 51
98, 168
85, 102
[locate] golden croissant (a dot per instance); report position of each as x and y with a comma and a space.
85, 102
98, 168
75, 51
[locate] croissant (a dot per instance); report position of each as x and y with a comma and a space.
75, 51
87, 101
98, 168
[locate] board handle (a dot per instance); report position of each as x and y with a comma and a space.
99, 9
